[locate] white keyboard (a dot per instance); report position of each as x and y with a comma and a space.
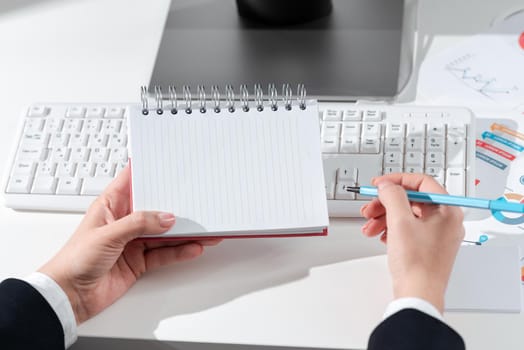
66, 154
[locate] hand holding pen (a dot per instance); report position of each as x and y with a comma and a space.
422, 239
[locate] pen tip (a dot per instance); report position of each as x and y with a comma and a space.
354, 189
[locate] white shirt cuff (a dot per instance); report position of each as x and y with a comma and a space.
412, 303
58, 300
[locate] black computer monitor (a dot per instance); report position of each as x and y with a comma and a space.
356, 51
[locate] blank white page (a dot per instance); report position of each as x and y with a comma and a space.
226, 173
485, 278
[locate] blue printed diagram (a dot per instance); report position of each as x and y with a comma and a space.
487, 86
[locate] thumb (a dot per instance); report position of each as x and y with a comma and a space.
394, 198
139, 223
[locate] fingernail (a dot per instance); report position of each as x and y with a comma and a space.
373, 179
166, 219
362, 209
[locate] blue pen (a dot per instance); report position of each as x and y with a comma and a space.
436, 198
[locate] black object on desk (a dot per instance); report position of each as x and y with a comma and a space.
353, 52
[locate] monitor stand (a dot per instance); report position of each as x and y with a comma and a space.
355, 52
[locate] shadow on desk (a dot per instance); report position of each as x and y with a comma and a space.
88, 343
11, 5
234, 268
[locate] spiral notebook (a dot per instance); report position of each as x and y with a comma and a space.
229, 168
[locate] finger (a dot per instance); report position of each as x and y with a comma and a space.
136, 224
114, 202
210, 242
415, 182
374, 226
167, 255
393, 197
373, 209
174, 243
384, 237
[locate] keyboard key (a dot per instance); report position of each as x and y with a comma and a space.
38, 111
342, 191
105, 169
413, 170
32, 153
347, 175
414, 159
99, 155
19, 184
394, 144
391, 170
416, 130
92, 126
330, 144
69, 186
437, 173
46, 169
435, 144
436, 130
25, 168
79, 154
352, 115
65, 169
351, 129
332, 115
76, 112
95, 185
435, 159
35, 139
350, 144
331, 128
394, 159
370, 145
456, 181
85, 169
415, 144
395, 130
34, 125
53, 125
95, 112
456, 131
44, 185
115, 112
455, 150
372, 115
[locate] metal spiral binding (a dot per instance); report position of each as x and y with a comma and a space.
273, 96
259, 98
244, 98
272, 99
188, 99
301, 93
143, 97
159, 100
287, 96
202, 98
230, 98
215, 96
173, 99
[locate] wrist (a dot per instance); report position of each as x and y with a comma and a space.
433, 293
69, 291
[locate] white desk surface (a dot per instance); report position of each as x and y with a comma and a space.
310, 292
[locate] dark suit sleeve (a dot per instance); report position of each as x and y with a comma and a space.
412, 329
27, 321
